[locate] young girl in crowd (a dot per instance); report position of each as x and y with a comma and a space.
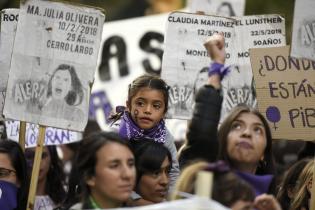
243, 140
303, 188
106, 172
50, 192
153, 164
147, 104
13, 176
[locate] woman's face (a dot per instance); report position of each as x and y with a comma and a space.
154, 186
115, 175
246, 141
147, 107
7, 171
44, 163
61, 84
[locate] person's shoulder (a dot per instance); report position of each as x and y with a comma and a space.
77, 206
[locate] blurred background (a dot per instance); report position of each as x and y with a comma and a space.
122, 9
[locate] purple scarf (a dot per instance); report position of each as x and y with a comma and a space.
130, 130
8, 195
260, 183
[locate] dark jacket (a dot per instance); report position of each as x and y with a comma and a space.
201, 137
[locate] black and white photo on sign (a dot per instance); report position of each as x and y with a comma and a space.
238, 87
185, 59
9, 18
303, 36
52, 68
226, 8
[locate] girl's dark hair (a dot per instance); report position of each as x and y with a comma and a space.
150, 81
289, 182
18, 161
86, 161
75, 95
149, 156
267, 165
4, 134
55, 177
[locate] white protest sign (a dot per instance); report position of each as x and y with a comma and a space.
226, 8
259, 31
285, 92
9, 19
53, 136
303, 36
185, 59
53, 66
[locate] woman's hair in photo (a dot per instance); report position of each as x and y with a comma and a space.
227, 187
149, 156
85, 162
266, 166
201, 72
289, 182
16, 155
75, 95
302, 195
227, 4
55, 177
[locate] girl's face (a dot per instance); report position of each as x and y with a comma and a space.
246, 141
224, 10
154, 186
115, 175
147, 107
61, 84
7, 171
44, 163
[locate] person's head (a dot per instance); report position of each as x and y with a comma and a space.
13, 169
106, 165
245, 141
303, 187
201, 78
50, 172
147, 100
287, 187
225, 9
153, 164
228, 189
65, 84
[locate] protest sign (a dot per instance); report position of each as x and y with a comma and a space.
303, 32
250, 32
226, 8
53, 136
285, 89
185, 59
246, 32
9, 19
52, 68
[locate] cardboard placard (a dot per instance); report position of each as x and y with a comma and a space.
285, 89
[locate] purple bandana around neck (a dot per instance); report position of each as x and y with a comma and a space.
260, 183
130, 130
8, 195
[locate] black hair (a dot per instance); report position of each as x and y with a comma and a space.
75, 95
18, 161
227, 4
149, 156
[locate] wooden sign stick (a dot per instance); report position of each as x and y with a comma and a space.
203, 184
22, 132
36, 166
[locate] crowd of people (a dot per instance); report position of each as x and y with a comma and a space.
138, 164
